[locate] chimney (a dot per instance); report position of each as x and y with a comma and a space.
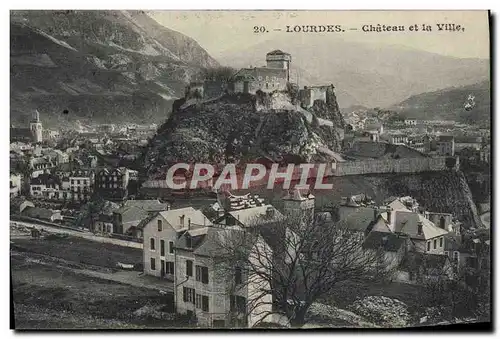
189, 223
419, 228
181, 220
375, 213
389, 215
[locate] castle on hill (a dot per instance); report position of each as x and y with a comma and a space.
275, 76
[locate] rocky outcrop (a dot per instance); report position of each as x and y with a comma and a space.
241, 128
383, 311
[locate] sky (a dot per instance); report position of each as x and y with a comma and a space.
220, 31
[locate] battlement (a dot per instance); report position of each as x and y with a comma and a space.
309, 94
405, 165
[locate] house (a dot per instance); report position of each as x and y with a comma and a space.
160, 232
15, 184
112, 184
213, 293
425, 235
42, 184
399, 139
19, 204
411, 122
473, 142
81, 183
57, 156
249, 217
42, 213
445, 145
40, 165
132, 212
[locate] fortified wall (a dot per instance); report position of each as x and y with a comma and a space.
405, 165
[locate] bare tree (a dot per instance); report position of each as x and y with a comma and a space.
289, 263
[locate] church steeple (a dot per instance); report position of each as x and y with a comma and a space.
36, 127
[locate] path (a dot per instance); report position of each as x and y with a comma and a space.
85, 235
132, 278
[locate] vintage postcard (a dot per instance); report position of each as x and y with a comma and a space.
250, 169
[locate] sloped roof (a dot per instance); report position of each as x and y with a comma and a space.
173, 217
248, 215
147, 205
407, 222
277, 52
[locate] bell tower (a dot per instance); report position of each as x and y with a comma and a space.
36, 128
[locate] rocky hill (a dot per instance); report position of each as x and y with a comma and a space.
100, 66
448, 104
244, 127
445, 191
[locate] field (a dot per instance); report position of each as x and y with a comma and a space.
68, 283
49, 297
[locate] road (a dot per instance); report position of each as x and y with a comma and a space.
132, 278
85, 235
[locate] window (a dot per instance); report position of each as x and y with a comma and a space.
72, 182
189, 268
237, 276
441, 242
170, 268
202, 302
428, 246
162, 247
171, 247
202, 274
435, 243
153, 264
152, 244
78, 182
160, 226
198, 301
238, 304
188, 294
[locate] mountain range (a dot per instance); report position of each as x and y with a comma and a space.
99, 66
449, 104
362, 73
109, 66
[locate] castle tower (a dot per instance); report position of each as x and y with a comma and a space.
36, 128
279, 59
